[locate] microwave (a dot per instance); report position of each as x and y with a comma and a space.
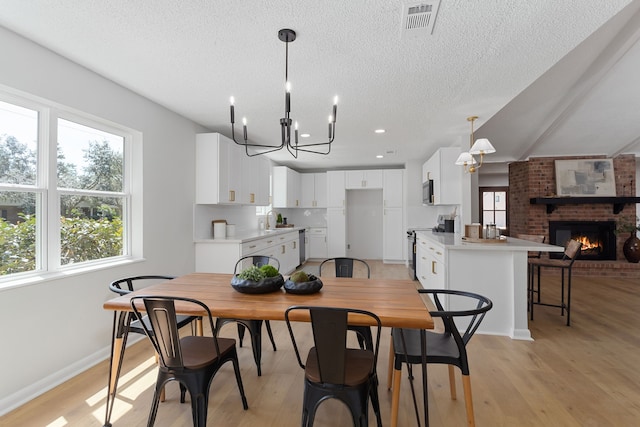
427, 192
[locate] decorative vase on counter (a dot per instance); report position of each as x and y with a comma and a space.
631, 248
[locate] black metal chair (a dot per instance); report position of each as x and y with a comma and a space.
254, 326
127, 323
448, 347
192, 360
332, 370
344, 268
571, 253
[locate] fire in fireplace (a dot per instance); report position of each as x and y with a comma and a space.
598, 238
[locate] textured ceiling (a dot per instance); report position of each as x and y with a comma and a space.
532, 71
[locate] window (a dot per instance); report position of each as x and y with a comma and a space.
493, 207
64, 192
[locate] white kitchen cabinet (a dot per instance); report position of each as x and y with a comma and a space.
317, 243
313, 191
431, 266
255, 180
221, 257
446, 176
336, 193
336, 232
392, 188
286, 187
218, 170
363, 179
393, 235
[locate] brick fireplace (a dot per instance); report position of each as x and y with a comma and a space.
535, 178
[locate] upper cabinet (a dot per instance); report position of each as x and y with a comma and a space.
363, 179
392, 188
446, 176
226, 175
313, 191
286, 187
255, 180
336, 193
218, 170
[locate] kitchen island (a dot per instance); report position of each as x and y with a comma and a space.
496, 270
220, 255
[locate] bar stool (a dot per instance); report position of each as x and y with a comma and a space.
571, 253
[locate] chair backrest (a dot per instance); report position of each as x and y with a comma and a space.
257, 260
473, 316
329, 325
131, 283
344, 266
162, 328
572, 250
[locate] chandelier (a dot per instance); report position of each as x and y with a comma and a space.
292, 145
480, 147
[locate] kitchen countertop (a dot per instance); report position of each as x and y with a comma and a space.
454, 241
250, 235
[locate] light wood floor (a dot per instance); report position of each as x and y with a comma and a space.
583, 375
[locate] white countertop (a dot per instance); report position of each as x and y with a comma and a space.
249, 235
455, 241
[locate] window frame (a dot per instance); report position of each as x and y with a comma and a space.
48, 245
481, 191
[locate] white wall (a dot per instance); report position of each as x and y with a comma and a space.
54, 329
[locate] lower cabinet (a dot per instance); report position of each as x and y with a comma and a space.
430, 264
318, 243
221, 257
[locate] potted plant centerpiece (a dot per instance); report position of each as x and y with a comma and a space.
257, 280
300, 282
631, 246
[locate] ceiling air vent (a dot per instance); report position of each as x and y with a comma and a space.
419, 18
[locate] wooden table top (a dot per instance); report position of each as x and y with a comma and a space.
396, 302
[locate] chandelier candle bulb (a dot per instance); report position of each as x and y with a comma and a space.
244, 127
233, 111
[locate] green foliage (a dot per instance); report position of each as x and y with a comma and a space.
269, 270
299, 277
626, 226
279, 219
252, 273
82, 239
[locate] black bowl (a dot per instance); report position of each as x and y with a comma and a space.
264, 286
303, 288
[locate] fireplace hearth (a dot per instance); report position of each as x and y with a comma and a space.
598, 238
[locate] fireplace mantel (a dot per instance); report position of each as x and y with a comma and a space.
553, 202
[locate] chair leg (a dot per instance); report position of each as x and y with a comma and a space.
273, 342
236, 369
569, 298
395, 397
391, 357
162, 395
468, 401
452, 382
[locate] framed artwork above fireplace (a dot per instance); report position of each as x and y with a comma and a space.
585, 178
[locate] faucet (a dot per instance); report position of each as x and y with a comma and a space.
268, 227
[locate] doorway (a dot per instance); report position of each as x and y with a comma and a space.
364, 224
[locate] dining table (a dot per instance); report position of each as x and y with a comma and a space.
396, 302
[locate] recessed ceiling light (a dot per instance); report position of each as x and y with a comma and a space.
380, 131
305, 135
379, 156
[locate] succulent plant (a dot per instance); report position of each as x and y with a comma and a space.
252, 273
299, 277
269, 270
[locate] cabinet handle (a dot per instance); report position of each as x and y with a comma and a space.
296, 203
252, 198
232, 195
438, 252
364, 183
294, 244
283, 248
433, 267
252, 246
269, 241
